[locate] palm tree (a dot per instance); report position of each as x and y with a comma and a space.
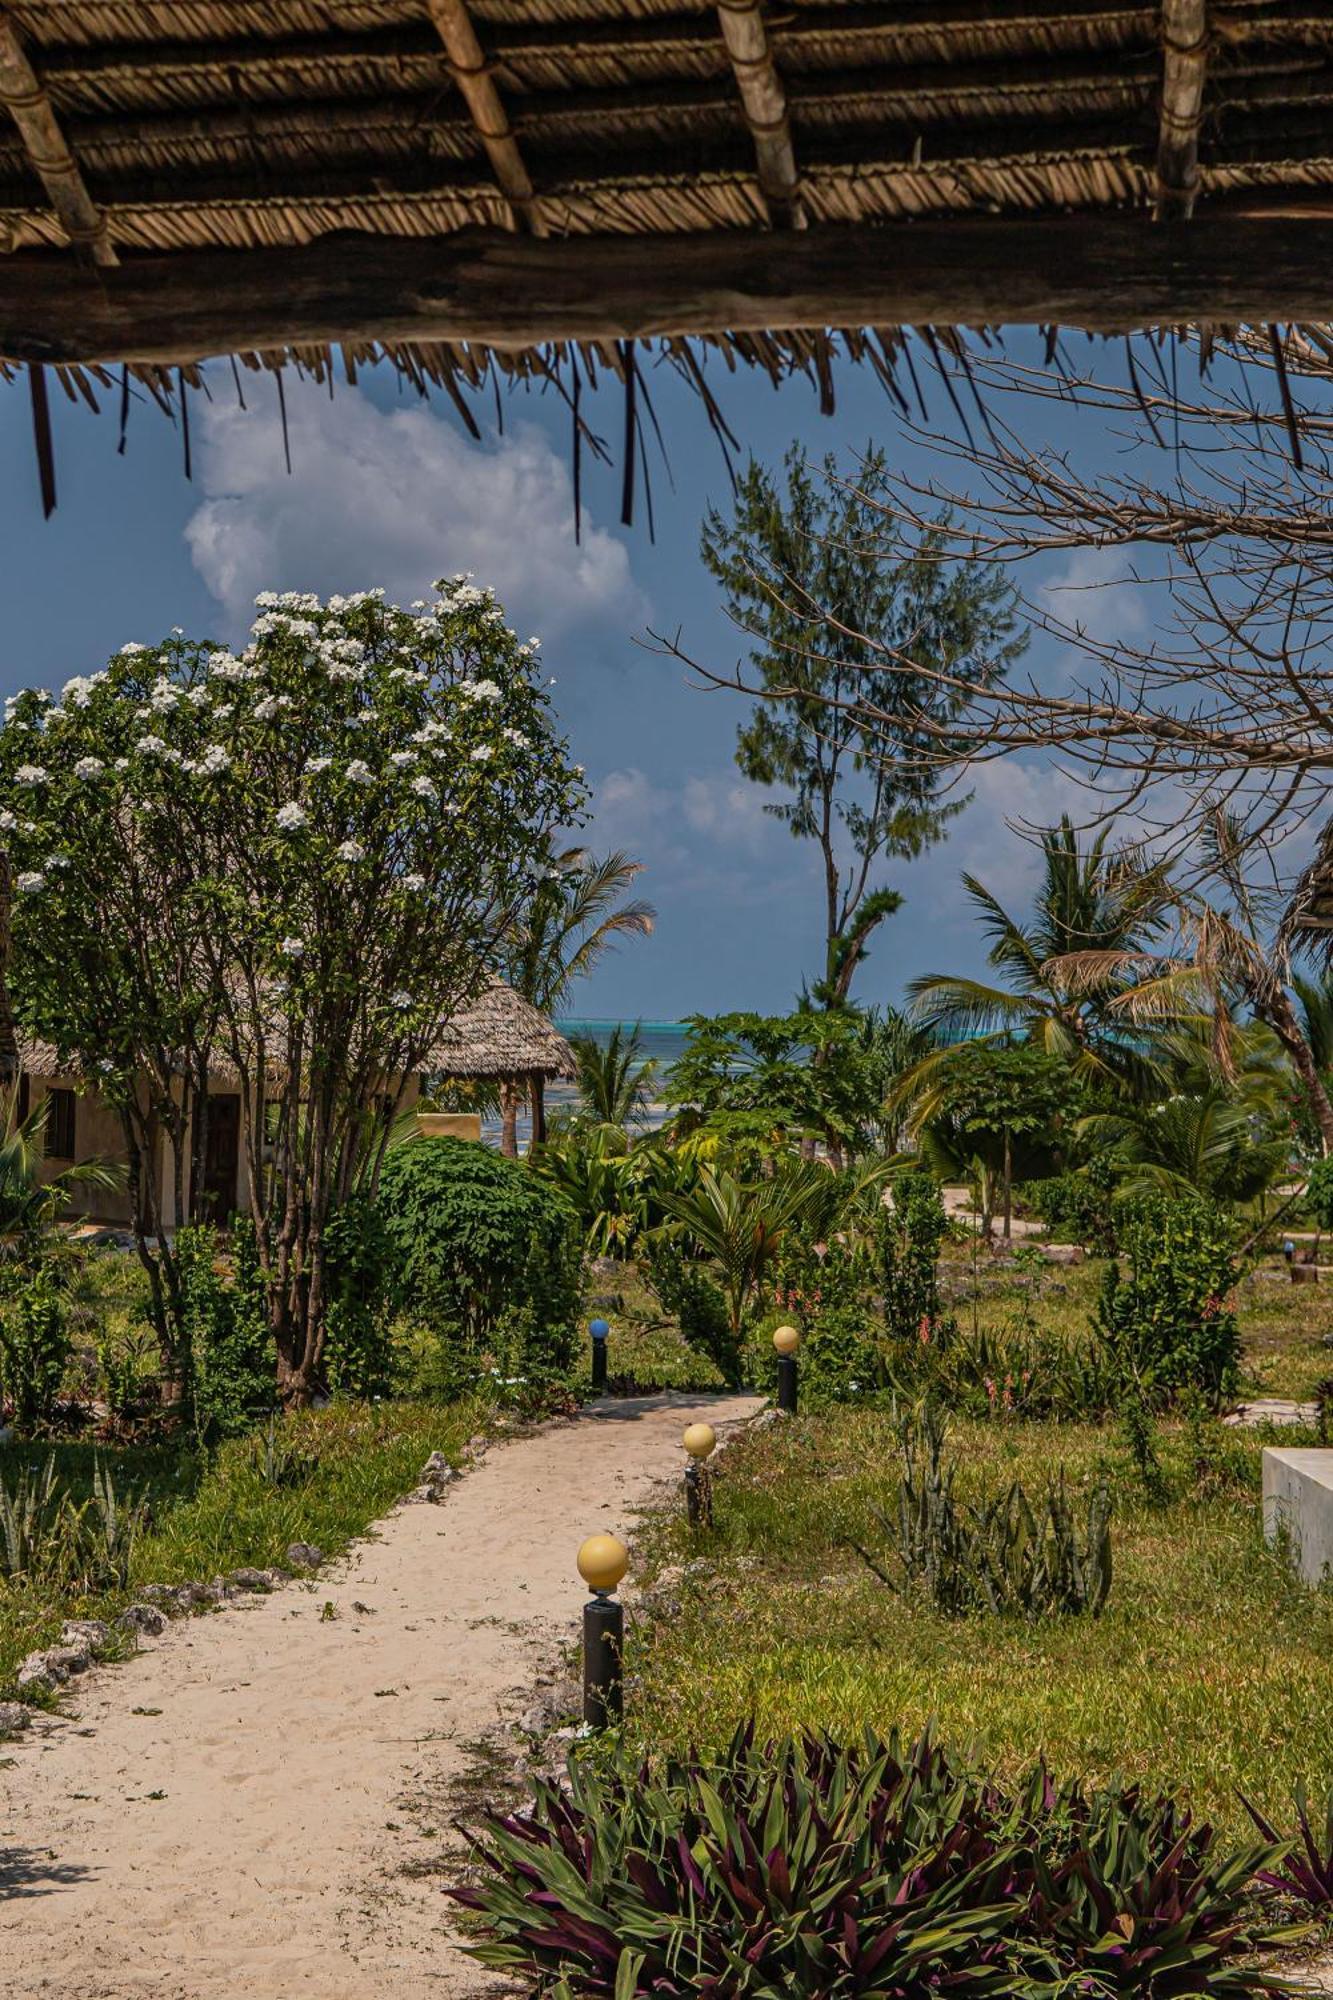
29, 1205
615, 1081
1102, 901
1216, 1133
9, 1048
574, 916
742, 1225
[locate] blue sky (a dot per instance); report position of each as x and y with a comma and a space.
388, 490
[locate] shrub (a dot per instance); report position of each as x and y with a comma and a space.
813, 1870
487, 1256
225, 1327
1078, 1205
1025, 1372
685, 1290
1306, 1871
1000, 1555
825, 1290
35, 1347
1169, 1325
359, 1260
911, 1233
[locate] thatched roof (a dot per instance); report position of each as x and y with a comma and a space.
497, 1035
525, 188
500, 1035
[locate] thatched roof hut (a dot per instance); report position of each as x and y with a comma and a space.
501, 1035
488, 189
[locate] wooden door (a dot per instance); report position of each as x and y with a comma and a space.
222, 1156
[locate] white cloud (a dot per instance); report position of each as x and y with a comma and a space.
708, 832
398, 498
1095, 591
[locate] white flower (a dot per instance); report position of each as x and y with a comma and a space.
89, 767
292, 947
358, 772
30, 774
351, 850
29, 882
429, 731
8, 821
343, 670
400, 999
314, 765
292, 817
424, 788
164, 696
57, 861
271, 705
131, 646
401, 759
483, 753
79, 689
122, 764
517, 738
151, 746
414, 881
479, 690
214, 759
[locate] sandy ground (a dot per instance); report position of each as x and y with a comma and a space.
257, 1803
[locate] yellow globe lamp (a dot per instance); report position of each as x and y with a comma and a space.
700, 1440
602, 1561
787, 1339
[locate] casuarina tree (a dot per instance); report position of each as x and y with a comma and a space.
830, 615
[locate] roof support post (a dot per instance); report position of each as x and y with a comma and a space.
764, 100
44, 143
472, 74
1184, 67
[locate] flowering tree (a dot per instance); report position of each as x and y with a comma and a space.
292, 864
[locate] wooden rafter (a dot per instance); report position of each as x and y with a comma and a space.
29, 106
496, 288
764, 101
1184, 68
472, 74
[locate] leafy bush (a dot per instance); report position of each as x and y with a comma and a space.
34, 1346
225, 1328
1306, 1871
910, 1237
1000, 1555
825, 1289
811, 1870
1078, 1206
685, 1290
1169, 1324
359, 1261
1023, 1372
487, 1255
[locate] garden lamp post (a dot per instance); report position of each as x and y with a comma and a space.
602, 1562
700, 1441
786, 1340
600, 1331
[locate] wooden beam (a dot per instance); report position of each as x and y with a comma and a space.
764, 102
1110, 273
1184, 68
472, 74
43, 142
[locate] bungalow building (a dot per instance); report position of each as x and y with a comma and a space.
498, 1037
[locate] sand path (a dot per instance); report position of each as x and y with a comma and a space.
257, 1803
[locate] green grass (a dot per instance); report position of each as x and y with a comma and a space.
1211, 1669
645, 1351
217, 1513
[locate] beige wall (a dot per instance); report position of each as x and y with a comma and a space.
98, 1136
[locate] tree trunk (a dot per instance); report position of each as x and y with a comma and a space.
509, 1120
1008, 1188
537, 1100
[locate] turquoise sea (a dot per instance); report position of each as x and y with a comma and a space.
662, 1042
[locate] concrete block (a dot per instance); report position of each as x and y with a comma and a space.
1298, 1496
